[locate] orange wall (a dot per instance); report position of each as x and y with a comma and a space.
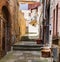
22, 23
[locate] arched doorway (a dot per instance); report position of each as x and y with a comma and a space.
6, 44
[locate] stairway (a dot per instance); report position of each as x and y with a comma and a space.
27, 46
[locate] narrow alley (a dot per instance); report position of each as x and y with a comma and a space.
29, 30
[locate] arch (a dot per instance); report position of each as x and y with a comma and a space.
5, 12
6, 43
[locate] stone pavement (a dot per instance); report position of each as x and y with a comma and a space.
24, 56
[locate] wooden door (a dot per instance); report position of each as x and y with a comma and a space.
3, 37
6, 27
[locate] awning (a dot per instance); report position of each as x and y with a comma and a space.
33, 6
27, 6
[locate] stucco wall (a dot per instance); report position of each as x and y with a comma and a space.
59, 18
14, 24
53, 4
12, 8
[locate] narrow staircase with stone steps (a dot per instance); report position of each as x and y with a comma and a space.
27, 46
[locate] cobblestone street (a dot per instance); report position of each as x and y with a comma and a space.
24, 56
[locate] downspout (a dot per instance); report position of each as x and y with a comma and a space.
44, 13
44, 8
50, 27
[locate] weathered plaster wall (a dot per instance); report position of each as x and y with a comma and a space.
13, 8
53, 4
14, 28
59, 18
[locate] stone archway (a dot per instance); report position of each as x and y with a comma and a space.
6, 42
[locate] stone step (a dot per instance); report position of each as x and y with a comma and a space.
26, 38
27, 46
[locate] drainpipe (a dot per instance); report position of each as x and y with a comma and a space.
44, 13
44, 10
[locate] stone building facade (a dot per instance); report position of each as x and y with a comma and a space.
59, 17
54, 20
9, 28
59, 24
